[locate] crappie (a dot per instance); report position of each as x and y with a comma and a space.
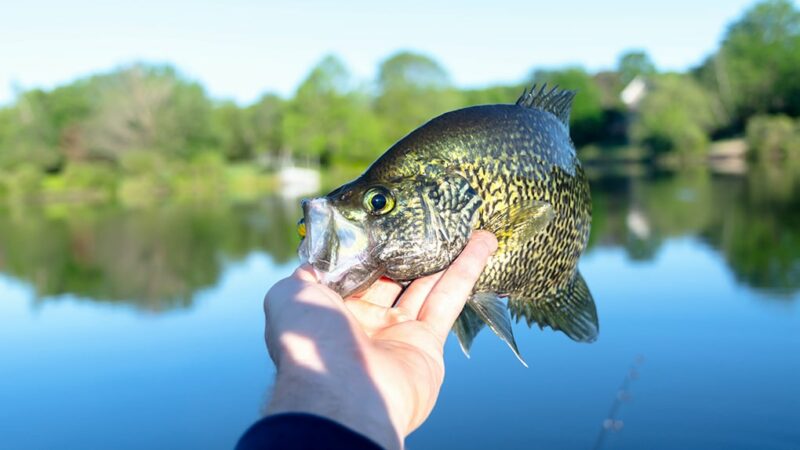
510, 169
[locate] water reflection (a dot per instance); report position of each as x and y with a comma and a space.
157, 259
753, 221
154, 259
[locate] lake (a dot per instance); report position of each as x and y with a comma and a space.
133, 329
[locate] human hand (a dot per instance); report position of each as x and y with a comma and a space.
372, 362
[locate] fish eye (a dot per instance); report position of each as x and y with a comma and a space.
378, 200
301, 228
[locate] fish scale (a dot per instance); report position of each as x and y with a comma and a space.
519, 175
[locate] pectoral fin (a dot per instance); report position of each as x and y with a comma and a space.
519, 223
571, 310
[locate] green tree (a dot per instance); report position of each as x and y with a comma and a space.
757, 68
635, 63
31, 136
234, 132
676, 115
328, 120
147, 108
412, 89
773, 137
266, 119
492, 95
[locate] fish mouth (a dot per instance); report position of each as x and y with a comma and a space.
340, 251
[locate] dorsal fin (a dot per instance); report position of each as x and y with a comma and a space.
557, 102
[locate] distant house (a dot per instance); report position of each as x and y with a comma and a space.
634, 92
295, 182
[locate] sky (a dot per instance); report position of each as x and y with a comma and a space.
240, 49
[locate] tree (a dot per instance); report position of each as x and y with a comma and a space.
234, 133
147, 108
634, 63
493, 94
757, 68
327, 120
412, 89
266, 119
773, 137
676, 115
31, 136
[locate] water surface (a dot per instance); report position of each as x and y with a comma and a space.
143, 328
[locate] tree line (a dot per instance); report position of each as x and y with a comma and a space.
749, 87
159, 258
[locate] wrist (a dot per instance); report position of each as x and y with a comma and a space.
350, 399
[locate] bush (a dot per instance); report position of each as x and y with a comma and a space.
201, 178
24, 182
773, 137
143, 162
91, 176
676, 116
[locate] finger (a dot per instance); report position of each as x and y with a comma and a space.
383, 292
303, 274
447, 298
414, 297
306, 273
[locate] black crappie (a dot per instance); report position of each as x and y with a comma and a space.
509, 169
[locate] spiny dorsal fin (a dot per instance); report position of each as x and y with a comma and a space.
557, 102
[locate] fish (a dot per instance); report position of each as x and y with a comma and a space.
511, 169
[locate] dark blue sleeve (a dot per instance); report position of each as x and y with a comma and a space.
302, 431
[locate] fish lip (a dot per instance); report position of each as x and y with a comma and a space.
340, 251
316, 217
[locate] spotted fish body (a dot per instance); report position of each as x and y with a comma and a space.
511, 169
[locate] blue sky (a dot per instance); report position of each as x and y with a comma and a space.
239, 49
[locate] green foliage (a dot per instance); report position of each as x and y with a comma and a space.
327, 120
31, 138
773, 137
676, 116
265, 120
235, 136
147, 108
412, 89
148, 123
633, 64
202, 178
756, 68
93, 176
22, 183
492, 95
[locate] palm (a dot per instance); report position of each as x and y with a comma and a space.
393, 337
